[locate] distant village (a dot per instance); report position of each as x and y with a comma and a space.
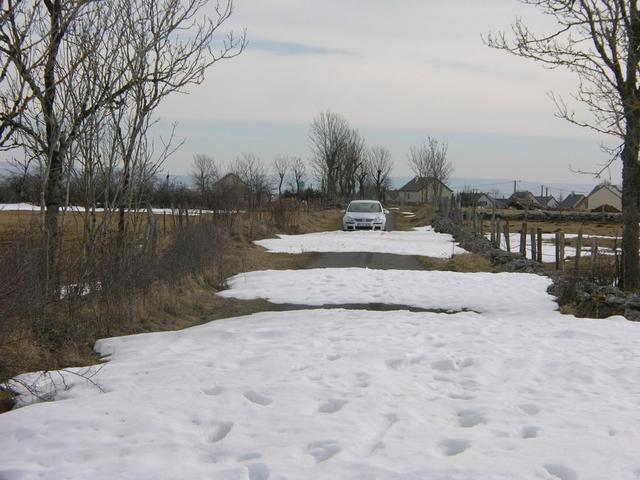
605, 197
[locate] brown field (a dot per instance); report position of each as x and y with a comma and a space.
184, 303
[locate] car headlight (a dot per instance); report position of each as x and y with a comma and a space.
348, 218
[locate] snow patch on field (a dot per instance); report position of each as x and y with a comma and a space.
511, 293
549, 247
337, 394
29, 207
422, 241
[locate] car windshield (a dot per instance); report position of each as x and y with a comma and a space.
364, 207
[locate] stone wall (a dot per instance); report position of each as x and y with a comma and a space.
584, 298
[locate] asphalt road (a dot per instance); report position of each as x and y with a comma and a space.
379, 261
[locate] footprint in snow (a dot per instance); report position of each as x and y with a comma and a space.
222, 430
529, 408
470, 418
258, 471
451, 447
530, 431
332, 405
394, 363
323, 450
257, 398
560, 471
363, 380
213, 391
461, 396
451, 365
249, 456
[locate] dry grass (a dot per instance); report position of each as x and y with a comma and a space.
423, 216
188, 302
466, 262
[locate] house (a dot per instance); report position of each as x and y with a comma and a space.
605, 198
575, 201
523, 200
548, 201
392, 196
476, 199
424, 190
501, 203
231, 192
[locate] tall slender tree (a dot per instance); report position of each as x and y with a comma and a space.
599, 41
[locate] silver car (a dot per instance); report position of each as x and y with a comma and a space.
364, 215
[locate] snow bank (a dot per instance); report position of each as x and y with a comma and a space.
481, 292
335, 394
422, 241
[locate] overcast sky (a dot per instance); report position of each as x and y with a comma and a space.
398, 70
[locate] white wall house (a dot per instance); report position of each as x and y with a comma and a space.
423, 190
605, 197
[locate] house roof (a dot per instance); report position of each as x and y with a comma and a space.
223, 180
417, 184
473, 196
545, 200
572, 200
522, 196
612, 188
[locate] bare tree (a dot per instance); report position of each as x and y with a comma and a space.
249, 168
380, 165
363, 173
205, 173
298, 170
598, 40
281, 166
429, 161
329, 135
353, 155
64, 63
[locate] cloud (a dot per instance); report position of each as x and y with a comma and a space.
291, 48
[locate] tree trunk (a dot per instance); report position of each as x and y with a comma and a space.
54, 141
630, 202
53, 201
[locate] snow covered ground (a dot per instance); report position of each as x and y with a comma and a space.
509, 390
511, 293
333, 394
421, 241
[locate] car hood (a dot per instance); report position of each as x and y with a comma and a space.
363, 215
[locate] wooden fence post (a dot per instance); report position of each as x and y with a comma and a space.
498, 242
594, 254
558, 258
562, 252
617, 260
493, 232
534, 245
539, 238
507, 236
523, 240
576, 267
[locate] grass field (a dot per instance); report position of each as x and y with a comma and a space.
184, 303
